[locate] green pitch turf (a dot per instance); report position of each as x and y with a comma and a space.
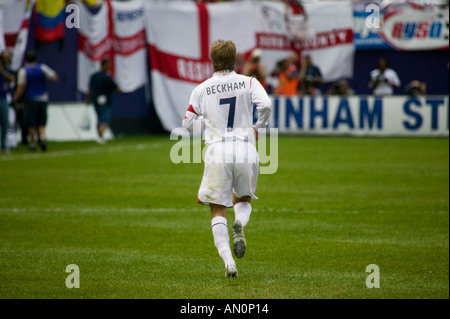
128, 218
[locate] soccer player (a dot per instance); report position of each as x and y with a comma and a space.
225, 105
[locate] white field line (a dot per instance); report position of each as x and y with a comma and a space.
88, 151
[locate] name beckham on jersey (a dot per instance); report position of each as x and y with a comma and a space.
224, 88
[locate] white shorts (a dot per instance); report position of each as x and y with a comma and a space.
230, 167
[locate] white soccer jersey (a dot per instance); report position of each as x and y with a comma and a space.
225, 101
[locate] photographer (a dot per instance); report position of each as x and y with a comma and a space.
383, 80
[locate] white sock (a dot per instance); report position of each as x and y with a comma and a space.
222, 239
242, 211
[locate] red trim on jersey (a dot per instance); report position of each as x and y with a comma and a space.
251, 82
191, 109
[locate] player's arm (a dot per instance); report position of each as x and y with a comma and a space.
393, 79
191, 115
263, 103
193, 112
88, 98
21, 85
9, 77
113, 86
50, 74
374, 80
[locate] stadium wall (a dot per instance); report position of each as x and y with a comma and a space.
426, 116
362, 115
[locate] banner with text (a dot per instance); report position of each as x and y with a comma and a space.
362, 115
400, 26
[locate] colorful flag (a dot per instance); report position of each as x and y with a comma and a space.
50, 20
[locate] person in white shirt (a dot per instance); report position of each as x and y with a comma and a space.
225, 105
383, 80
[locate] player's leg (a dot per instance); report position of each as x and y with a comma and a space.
244, 185
101, 129
216, 191
242, 211
30, 123
222, 238
101, 123
42, 122
4, 123
32, 134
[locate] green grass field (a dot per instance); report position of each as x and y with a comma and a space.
128, 218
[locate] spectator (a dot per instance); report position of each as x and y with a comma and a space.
240, 63
18, 108
288, 77
416, 88
255, 68
341, 88
310, 71
32, 86
5, 78
383, 80
101, 89
307, 87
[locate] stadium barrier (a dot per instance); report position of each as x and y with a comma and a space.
73, 122
362, 115
426, 116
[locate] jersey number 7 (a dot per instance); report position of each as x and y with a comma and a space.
232, 103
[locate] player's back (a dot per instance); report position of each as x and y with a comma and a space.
226, 105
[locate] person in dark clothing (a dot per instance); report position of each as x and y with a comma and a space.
101, 92
311, 72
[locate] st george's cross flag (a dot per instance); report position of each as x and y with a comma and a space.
114, 30
179, 35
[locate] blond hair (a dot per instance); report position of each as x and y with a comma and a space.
223, 55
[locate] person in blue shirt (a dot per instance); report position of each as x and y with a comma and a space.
5, 79
32, 85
